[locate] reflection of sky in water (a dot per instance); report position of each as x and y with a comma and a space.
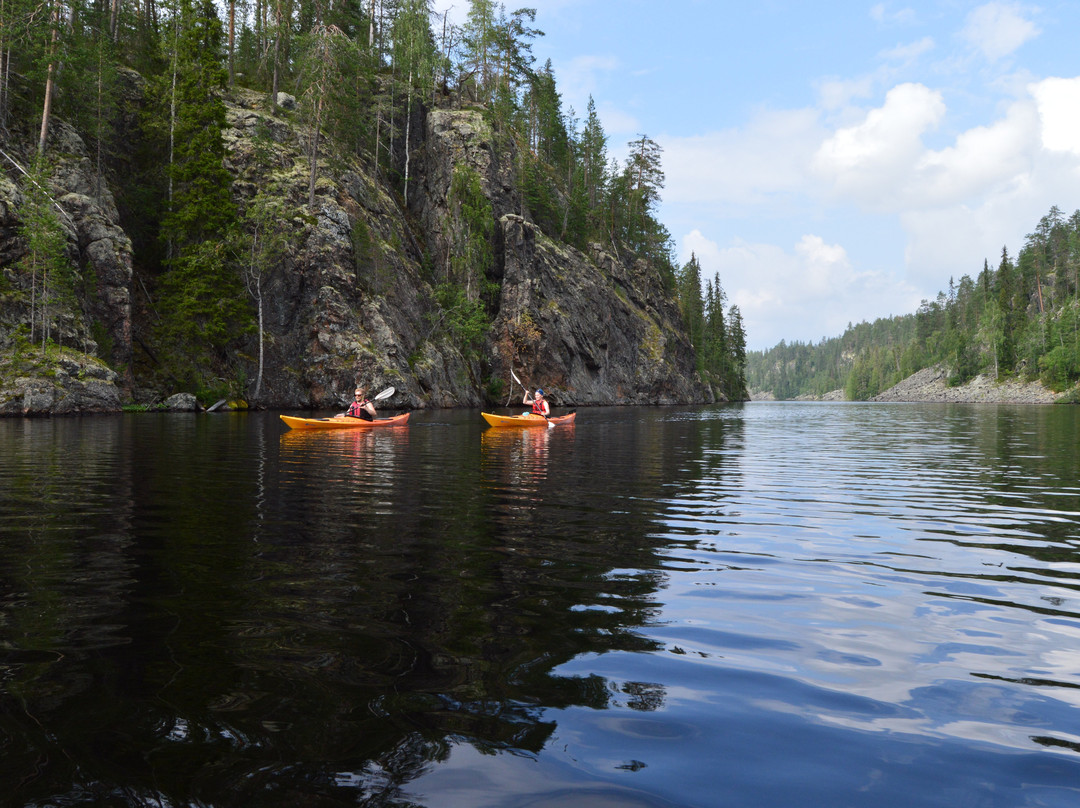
874, 572
903, 579
760, 606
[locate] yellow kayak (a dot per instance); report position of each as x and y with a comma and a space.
527, 420
342, 422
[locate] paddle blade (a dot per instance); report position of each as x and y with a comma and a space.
389, 391
515, 378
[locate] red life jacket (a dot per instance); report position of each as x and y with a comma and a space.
538, 406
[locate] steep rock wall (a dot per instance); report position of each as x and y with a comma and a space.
348, 303
592, 331
99, 322
351, 298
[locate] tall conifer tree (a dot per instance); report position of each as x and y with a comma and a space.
201, 289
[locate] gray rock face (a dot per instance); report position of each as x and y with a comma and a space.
589, 328
100, 251
592, 331
929, 385
351, 298
76, 384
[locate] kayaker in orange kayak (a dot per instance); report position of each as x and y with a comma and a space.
539, 403
361, 406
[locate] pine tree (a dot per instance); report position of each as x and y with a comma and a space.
479, 39
593, 150
644, 181
327, 52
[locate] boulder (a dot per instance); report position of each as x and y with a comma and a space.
181, 402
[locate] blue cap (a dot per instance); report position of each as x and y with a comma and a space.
539, 391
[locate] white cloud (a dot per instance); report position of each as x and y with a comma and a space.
806, 293
619, 127
954, 239
1058, 101
745, 166
954, 205
870, 160
982, 159
839, 93
883, 15
823, 264
581, 76
906, 54
998, 29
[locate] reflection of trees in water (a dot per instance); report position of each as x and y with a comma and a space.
330, 626
644, 696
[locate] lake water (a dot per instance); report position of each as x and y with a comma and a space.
771, 604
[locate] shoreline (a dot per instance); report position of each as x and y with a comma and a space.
930, 385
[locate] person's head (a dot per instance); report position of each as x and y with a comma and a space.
359, 392
539, 393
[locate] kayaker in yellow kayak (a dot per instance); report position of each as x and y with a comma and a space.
361, 406
539, 403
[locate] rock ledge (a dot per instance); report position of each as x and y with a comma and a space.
930, 385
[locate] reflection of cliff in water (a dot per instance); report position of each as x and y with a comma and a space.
326, 615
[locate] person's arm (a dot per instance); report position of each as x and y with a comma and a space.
369, 408
527, 399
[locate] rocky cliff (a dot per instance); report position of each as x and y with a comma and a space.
352, 296
92, 368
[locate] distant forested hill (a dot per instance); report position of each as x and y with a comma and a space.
1021, 318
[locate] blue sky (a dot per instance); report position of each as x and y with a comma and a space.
832, 162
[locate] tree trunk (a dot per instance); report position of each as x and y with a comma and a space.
277, 51
50, 80
315, 153
232, 41
172, 127
33, 296
262, 348
408, 123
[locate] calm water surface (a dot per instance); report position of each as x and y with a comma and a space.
761, 605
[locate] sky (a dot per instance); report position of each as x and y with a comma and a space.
831, 162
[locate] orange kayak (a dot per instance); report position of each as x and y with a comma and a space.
527, 420
342, 422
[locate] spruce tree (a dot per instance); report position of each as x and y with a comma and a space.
201, 290
692, 308
736, 348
